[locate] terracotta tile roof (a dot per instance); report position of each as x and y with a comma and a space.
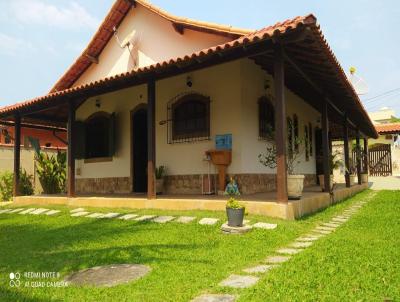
268, 32
114, 18
388, 128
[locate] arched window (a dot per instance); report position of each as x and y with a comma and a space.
296, 132
266, 118
95, 136
191, 118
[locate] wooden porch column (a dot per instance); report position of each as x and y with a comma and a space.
325, 146
280, 126
70, 151
346, 151
366, 159
151, 139
358, 148
17, 154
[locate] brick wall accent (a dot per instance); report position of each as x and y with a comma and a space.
104, 185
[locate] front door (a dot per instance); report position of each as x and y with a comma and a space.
139, 150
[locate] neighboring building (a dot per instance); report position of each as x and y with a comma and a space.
168, 87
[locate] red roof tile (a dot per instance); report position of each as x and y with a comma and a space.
388, 128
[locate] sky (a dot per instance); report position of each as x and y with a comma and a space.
40, 39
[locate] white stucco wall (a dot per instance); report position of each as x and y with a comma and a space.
156, 41
234, 89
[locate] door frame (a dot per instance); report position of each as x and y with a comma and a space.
138, 107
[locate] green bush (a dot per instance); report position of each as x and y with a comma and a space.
52, 171
6, 185
234, 204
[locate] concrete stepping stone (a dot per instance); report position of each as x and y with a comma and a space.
325, 228
332, 225
214, 298
163, 219
263, 268
77, 210
39, 211
78, 214
340, 219
277, 259
144, 217
185, 219
27, 211
52, 212
208, 221
289, 251
5, 211
110, 215
128, 216
95, 215
15, 210
266, 226
300, 244
239, 281
307, 239
322, 232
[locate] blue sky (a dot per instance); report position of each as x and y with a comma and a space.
39, 39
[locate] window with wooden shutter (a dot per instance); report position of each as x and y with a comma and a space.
266, 118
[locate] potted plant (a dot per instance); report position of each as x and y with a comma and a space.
295, 182
161, 171
335, 163
234, 209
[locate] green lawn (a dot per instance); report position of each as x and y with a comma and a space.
357, 262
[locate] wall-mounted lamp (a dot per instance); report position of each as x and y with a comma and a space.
98, 103
266, 85
189, 81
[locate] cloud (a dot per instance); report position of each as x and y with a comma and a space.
12, 46
38, 12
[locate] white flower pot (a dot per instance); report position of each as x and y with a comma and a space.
352, 180
322, 181
160, 186
295, 184
364, 178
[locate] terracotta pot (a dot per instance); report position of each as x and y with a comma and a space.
235, 217
364, 178
322, 182
160, 186
295, 184
352, 180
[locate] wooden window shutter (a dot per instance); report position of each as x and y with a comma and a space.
111, 135
80, 140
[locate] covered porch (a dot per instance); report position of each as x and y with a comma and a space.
294, 53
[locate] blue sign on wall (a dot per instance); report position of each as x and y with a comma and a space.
223, 142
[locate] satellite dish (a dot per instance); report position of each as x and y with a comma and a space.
359, 85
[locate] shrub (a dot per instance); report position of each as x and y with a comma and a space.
234, 204
52, 171
6, 185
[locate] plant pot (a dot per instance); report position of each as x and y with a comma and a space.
322, 182
364, 178
295, 184
160, 186
352, 180
235, 217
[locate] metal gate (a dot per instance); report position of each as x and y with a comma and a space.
380, 160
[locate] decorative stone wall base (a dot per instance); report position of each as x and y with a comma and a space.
108, 185
248, 183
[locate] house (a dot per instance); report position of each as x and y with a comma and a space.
154, 89
388, 142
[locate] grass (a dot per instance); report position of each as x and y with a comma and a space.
358, 262
186, 260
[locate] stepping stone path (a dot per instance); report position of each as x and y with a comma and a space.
52, 212
185, 219
128, 216
239, 281
110, 215
263, 268
78, 214
95, 215
145, 217
108, 275
27, 211
266, 226
208, 221
5, 211
163, 219
214, 298
301, 243
16, 210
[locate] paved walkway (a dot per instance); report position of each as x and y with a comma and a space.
384, 183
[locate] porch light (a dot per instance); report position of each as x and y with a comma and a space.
189, 81
98, 103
